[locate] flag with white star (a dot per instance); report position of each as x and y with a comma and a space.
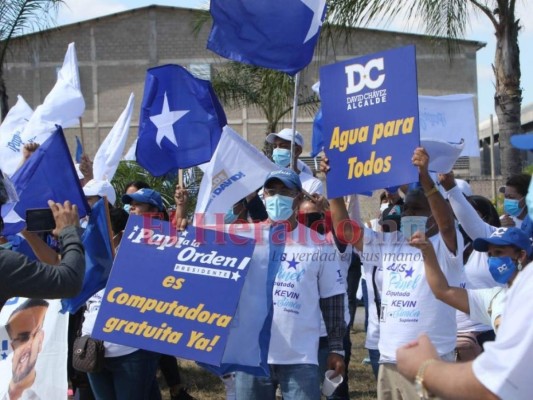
276, 34
180, 123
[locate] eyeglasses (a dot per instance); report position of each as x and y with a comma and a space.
282, 192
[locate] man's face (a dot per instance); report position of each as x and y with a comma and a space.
513, 194
26, 334
416, 204
141, 208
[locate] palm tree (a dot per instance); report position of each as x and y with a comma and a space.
449, 18
241, 85
16, 18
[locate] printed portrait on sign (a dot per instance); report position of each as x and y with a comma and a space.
31, 351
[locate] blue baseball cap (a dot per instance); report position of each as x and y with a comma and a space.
287, 176
505, 237
523, 142
147, 196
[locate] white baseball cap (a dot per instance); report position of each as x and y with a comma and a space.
100, 188
286, 134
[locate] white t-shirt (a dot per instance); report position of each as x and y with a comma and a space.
344, 259
307, 272
505, 365
476, 276
486, 305
311, 184
93, 306
408, 306
369, 265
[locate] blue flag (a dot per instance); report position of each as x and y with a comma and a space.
180, 123
79, 150
49, 174
276, 34
317, 141
98, 257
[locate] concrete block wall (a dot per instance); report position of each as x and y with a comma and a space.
115, 51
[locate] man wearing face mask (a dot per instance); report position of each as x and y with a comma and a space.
281, 155
408, 307
308, 284
514, 203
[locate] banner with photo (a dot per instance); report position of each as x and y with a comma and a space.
370, 121
174, 292
33, 350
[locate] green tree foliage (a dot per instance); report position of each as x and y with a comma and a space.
449, 18
18, 17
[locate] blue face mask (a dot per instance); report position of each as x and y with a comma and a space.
230, 216
501, 268
278, 207
281, 157
127, 208
512, 207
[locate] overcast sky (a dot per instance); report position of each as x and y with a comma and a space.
480, 30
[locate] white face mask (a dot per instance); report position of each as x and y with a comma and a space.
383, 207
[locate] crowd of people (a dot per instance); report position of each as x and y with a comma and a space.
444, 278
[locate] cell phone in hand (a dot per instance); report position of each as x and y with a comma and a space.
40, 220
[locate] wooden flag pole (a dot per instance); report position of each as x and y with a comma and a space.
294, 116
180, 177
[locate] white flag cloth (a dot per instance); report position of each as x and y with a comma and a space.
452, 118
442, 154
110, 152
130, 155
236, 169
10, 140
63, 106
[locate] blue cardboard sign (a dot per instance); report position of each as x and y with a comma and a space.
371, 124
174, 292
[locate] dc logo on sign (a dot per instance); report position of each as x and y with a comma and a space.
362, 74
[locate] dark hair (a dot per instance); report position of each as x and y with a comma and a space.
382, 197
138, 185
486, 209
520, 182
29, 303
119, 219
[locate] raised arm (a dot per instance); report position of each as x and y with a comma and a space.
347, 231
441, 210
181, 198
41, 249
465, 213
453, 296
33, 279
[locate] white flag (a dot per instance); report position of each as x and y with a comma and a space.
442, 154
451, 117
130, 154
63, 106
236, 169
108, 156
10, 140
